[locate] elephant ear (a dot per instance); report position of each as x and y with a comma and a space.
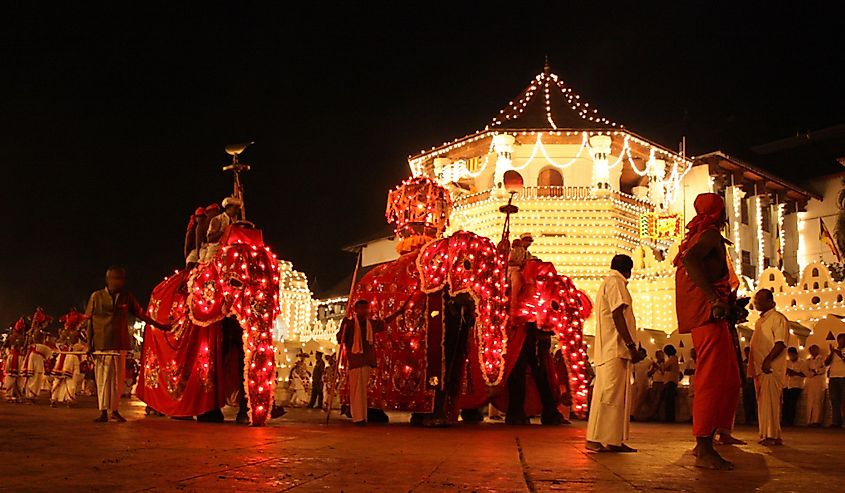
389, 286
469, 263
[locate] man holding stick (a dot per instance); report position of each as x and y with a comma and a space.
356, 335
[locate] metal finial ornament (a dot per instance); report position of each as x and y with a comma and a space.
236, 167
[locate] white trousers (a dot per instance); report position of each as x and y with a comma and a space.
10, 384
109, 371
814, 389
359, 379
769, 404
34, 384
610, 410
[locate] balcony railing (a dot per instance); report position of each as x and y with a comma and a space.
566, 193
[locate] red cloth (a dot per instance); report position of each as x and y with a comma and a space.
691, 304
710, 211
694, 311
717, 380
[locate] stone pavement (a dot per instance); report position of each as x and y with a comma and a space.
63, 450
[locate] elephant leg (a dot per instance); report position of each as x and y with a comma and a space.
472, 415
516, 385
540, 372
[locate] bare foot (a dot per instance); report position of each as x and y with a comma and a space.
713, 461
730, 440
771, 442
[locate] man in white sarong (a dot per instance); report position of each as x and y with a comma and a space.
767, 364
615, 355
815, 386
356, 334
108, 339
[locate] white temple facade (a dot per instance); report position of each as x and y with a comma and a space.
593, 188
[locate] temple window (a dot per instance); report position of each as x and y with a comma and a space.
550, 177
816, 300
815, 272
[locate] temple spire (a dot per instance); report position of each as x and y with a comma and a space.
547, 67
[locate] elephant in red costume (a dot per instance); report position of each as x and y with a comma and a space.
449, 344
444, 312
222, 313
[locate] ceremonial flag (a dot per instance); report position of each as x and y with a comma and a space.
826, 238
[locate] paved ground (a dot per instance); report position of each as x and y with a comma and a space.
43, 449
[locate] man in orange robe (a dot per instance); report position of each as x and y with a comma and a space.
704, 290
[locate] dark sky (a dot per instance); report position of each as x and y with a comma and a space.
113, 122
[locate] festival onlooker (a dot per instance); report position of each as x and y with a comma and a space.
795, 372
671, 376
768, 366
815, 385
317, 381
615, 355
836, 360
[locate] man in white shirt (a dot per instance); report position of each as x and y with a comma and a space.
615, 355
814, 385
767, 365
836, 360
795, 373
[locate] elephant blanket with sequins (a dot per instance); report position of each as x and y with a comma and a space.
445, 316
222, 313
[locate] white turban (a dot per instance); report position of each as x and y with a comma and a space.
231, 201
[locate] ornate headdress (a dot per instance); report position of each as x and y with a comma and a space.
72, 323
40, 321
419, 208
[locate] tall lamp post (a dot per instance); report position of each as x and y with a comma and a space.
236, 167
513, 185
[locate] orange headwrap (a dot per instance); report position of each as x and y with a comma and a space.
710, 212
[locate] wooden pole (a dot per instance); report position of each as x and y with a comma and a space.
342, 345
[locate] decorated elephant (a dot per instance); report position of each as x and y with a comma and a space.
445, 324
449, 343
220, 347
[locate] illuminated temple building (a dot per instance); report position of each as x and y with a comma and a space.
594, 188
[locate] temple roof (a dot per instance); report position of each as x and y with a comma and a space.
548, 103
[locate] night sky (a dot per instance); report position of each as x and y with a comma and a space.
113, 122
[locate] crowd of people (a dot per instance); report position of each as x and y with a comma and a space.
51, 361
627, 383
707, 308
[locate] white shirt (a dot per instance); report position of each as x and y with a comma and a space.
771, 328
641, 371
815, 370
671, 369
837, 367
793, 382
613, 293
